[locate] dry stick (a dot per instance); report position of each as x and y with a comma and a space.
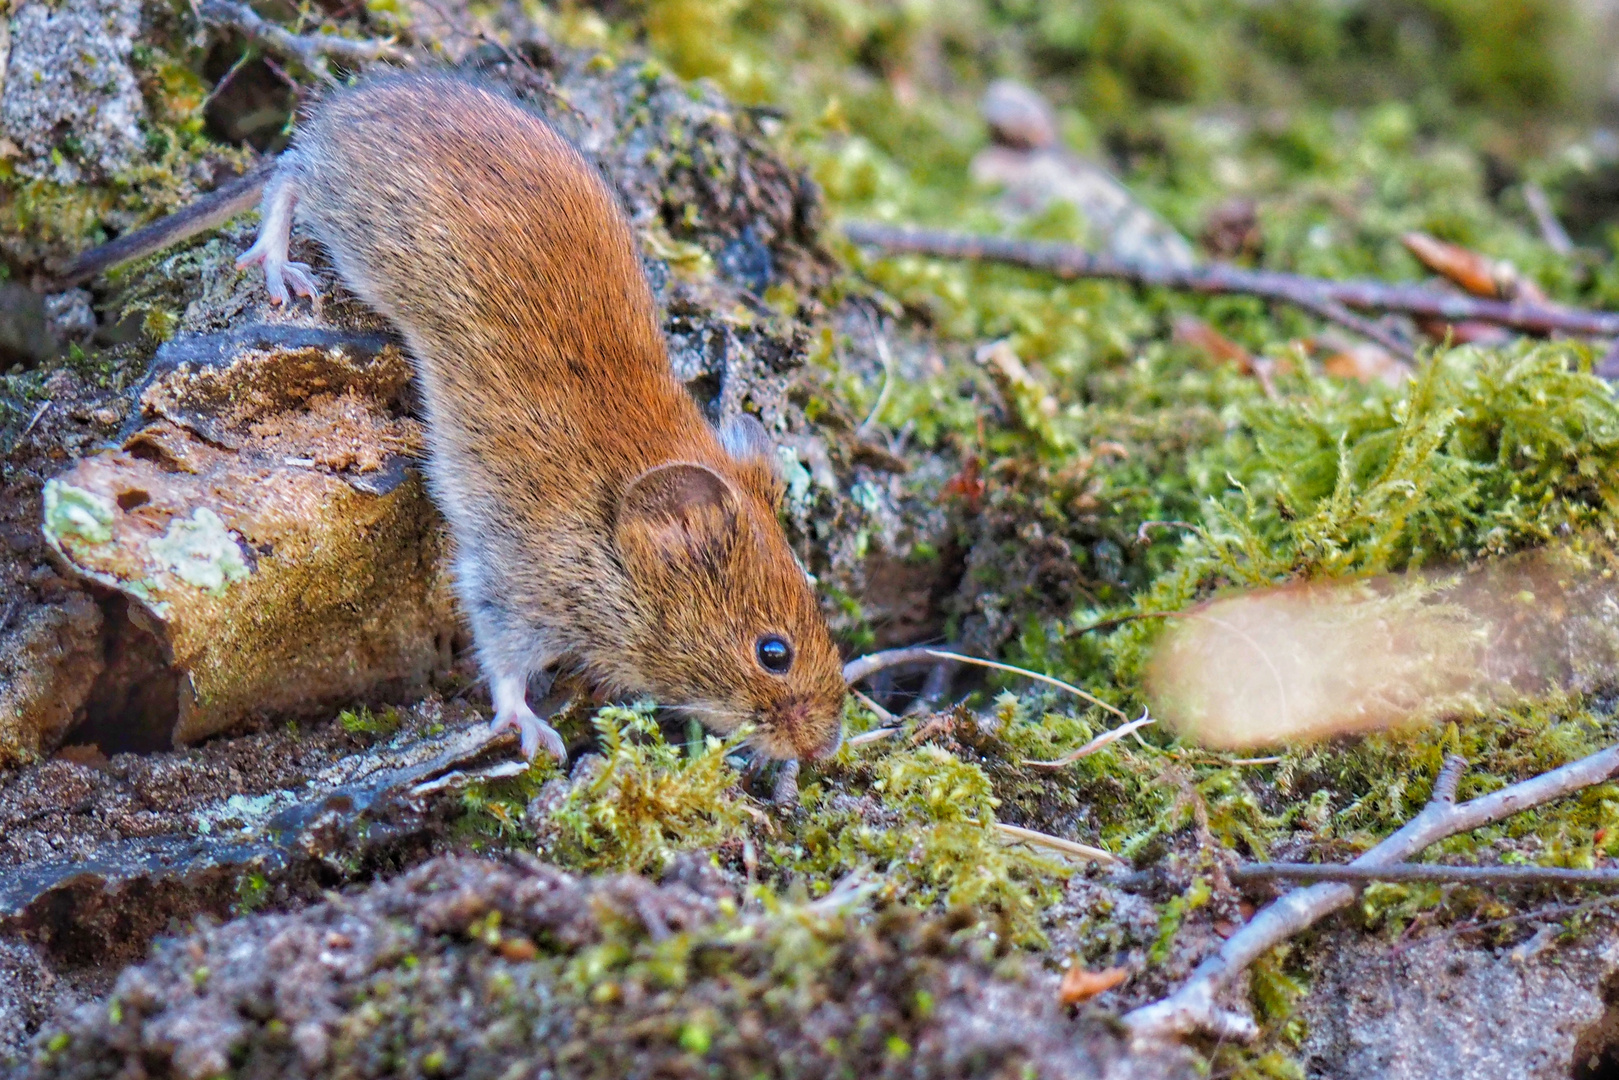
1192, 1008
1333, 311
1467, 875
1218, 279
865, 666
311, 50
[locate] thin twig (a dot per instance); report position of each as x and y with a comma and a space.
1556, 911
310, 50
864, 666
1216, 279
1057, 843
936, 686
1193, 1007
1334, 311
1471, 875
884, 717
1104, 739
32, 420
1551, 230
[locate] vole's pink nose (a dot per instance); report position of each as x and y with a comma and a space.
796, 724
827, 747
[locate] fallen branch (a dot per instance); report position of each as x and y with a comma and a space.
310, 50
1193, 1007
1318, 295
1470, 875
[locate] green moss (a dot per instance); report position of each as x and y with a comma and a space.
926, 827
646, 802
369, 725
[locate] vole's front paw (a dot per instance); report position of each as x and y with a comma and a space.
532, 731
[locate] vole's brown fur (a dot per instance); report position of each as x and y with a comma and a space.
599, 522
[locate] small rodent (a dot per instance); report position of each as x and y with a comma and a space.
600, 524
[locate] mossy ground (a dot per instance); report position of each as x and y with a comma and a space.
1346, 134
1347, 128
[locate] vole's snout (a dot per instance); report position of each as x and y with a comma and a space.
829, 747
798, 724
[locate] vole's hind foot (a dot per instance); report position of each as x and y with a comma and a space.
512, 712
270, 249
279, 274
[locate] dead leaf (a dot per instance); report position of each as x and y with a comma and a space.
517, 949
1190, 330
1495, 279
968, 484
1475, 273
1366, 362
1080, 985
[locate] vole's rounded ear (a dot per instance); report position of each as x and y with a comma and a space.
678, 516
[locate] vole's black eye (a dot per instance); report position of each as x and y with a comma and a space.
774, 653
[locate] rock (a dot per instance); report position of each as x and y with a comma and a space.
1438, 1010
49, 660
265, 528
69, 316
71, 104
1017, 116
1035, 171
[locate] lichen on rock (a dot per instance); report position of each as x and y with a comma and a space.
71, 103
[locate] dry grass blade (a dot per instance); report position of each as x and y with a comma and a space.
1026, 673
1057, 843
874, 735
310, 50
1105, 739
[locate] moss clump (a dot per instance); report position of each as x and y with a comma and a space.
371, 726
643, 801
925, 826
